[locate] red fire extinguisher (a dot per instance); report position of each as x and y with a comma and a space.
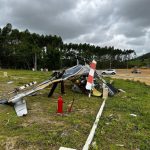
60, 105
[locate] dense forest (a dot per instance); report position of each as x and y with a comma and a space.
25, 50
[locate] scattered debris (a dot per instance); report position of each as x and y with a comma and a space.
107, 123
111, 115
10, 82
94, 145
65, 148
134, 115
7, 122
121, 90
70, 106
120, 145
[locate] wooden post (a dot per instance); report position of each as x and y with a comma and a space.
5, 74
105, 93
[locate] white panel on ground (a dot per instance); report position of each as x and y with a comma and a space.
65, 148
21, 108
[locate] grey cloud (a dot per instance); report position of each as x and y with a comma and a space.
135, 10
102, 22
134, 13
137, 41
49, 17
129, 29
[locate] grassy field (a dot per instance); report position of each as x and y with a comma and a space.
43, 128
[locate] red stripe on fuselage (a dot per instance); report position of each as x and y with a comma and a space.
90, 79
93, 65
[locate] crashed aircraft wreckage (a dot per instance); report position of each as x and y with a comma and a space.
78, 74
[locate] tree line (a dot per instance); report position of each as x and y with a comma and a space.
25, 50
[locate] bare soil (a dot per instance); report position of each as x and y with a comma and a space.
144, 76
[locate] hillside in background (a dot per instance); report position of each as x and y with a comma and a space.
145, 56
141, 61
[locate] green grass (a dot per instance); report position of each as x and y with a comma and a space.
43, 128
117, 128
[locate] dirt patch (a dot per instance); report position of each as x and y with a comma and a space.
144, 76
9, 144
4, 89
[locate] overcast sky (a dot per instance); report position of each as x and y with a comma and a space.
124, 24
